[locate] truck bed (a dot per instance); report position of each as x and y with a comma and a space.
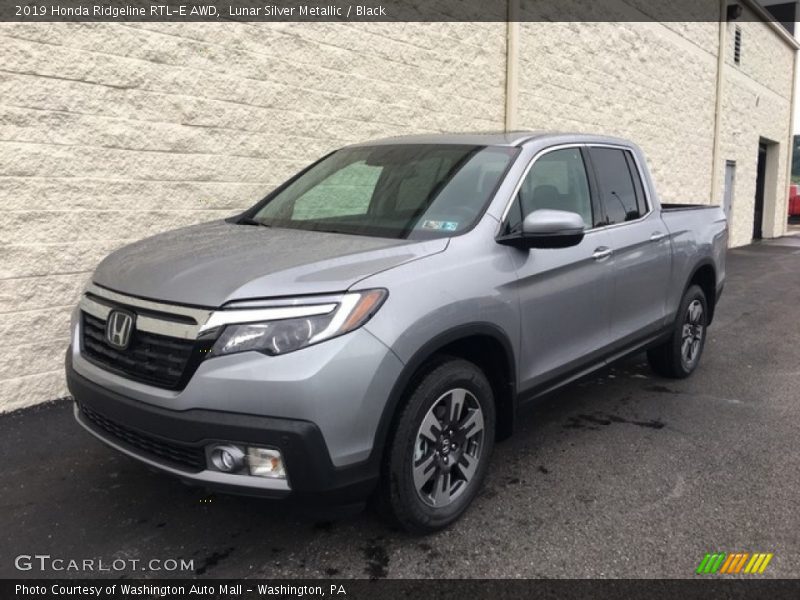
673, 207
698, 232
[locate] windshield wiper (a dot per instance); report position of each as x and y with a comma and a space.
250, 221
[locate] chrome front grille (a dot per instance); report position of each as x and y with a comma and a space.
163, 350
150, 358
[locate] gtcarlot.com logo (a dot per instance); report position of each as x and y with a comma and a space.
46, 562
732, 563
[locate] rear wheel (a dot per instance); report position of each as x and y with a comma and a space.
679, 356
440, 451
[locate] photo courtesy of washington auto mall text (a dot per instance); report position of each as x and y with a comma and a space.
169, 590
399, 299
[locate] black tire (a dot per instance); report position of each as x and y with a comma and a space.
670, 358
409, 507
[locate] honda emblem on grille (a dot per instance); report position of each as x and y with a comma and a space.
118, 328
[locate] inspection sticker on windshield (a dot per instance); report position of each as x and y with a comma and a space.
440, 225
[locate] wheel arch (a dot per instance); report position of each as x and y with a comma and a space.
704, 275
469, 342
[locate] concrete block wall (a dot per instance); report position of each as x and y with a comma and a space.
757, 99
650, 82
656, 83
113, 132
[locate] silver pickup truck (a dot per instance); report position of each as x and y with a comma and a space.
370, 327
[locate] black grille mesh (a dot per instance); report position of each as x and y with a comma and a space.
180, 456
150, 358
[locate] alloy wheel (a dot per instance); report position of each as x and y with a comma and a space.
447, 448
692, 333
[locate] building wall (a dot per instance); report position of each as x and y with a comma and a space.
649, 82
757, 102
112, 132
656, 83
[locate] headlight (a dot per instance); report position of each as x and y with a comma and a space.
280, 335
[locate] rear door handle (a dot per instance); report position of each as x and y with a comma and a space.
601, 253
657, 236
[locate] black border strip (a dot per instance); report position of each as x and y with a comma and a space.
372, 10
388, 589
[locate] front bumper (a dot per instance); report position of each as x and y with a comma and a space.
174, 441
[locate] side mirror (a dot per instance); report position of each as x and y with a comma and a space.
547, 228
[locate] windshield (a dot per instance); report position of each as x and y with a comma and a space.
409, 191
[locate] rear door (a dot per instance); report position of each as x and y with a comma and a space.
564, 292
639, 241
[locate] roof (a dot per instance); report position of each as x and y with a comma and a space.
511, 138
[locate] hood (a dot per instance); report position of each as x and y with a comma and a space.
213, 263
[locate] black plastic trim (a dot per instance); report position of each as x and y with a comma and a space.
557, 239
310, 469
602, 358
673, 207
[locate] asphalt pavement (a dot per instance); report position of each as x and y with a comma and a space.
623, 475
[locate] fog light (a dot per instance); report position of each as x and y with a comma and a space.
265, 462
227, 458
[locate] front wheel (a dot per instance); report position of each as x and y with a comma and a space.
440, 451
679, 356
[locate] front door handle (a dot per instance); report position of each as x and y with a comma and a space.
602, 253
657, 236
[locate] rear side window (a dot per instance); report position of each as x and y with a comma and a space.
621, 191
556, 181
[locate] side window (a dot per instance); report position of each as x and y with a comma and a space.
346, 192
556, 181
641, 201
622, 199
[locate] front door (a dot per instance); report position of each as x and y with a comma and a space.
563, 292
